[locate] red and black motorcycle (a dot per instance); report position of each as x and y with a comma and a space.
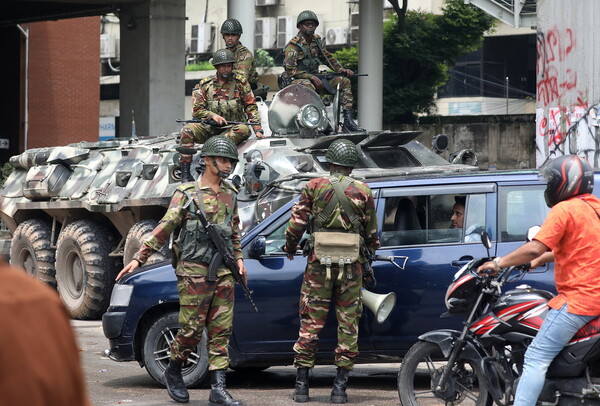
482, 363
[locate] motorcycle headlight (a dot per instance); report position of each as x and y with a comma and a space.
309, 116
121, 295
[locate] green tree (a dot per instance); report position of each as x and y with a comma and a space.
5, 172
418, 50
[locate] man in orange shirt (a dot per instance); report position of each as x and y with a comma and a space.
571, 232
38, 351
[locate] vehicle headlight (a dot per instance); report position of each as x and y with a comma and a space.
254, 156
309, 116
121, 295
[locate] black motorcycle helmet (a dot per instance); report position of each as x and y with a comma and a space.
567, 176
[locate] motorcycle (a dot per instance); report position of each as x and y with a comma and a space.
482, 363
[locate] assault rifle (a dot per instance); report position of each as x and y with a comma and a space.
223, 256
214, 123
325, 77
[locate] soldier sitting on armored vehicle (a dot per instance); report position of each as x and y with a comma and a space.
219, 101
245, 65
303, 56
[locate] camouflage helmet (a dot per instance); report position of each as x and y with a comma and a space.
223, 56
220, 146
231, 26
307, 15
342, 152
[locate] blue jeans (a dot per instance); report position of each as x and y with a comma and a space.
557, 330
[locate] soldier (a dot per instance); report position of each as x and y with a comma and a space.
231, 30
221, 98
303, 55
336, 203
203, 302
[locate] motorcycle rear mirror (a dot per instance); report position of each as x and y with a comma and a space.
532, 232
485, 240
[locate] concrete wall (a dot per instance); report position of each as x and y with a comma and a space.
64, 93
501, 142
567, 79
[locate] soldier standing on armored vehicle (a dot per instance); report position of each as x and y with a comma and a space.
219, 99
336, 209
206, 299
244, 65
303, 55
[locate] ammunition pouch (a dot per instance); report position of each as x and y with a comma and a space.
337, 248
196, 246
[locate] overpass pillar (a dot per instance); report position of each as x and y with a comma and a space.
243, 11
152, 81
370, 60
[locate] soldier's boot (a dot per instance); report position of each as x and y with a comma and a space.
349, 125
175, 386
186, 173
218, 392
301, 389
338, 393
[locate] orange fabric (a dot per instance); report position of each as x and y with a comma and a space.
572, 231
38, 353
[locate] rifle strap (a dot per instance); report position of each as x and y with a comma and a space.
341, 198
199, 202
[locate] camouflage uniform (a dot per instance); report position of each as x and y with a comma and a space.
245, 65
202, 303
232, 100
317, 293
302, 60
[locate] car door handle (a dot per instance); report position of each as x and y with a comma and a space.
461, 262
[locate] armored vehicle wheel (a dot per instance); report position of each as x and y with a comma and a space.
136, 236
31, 250
85, 272
157, 346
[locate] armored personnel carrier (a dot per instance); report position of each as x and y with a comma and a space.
77, 213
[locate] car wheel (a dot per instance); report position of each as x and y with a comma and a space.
31, 250
136, 236
85, 272
157, 347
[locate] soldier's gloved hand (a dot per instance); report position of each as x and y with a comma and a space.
317, 82
260, 133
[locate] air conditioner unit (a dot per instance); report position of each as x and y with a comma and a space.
336, 36
265, 33
200, 40
108, 46
266, 2
286, 29
354, 27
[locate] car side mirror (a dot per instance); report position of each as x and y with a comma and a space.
258, 247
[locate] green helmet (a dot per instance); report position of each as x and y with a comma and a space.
223, 56
220, 146
307, 15
342, 152
231, 26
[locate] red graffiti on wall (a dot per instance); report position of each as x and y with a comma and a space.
553, 49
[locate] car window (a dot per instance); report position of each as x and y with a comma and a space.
275, 239
426, 219
519, 208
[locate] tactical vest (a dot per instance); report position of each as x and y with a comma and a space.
231, 109
309, 63
332, 246
193, 242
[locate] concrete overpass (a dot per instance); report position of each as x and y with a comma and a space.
153, 53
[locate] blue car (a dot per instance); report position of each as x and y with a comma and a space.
414, 218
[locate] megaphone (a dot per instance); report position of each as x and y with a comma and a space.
381, 305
